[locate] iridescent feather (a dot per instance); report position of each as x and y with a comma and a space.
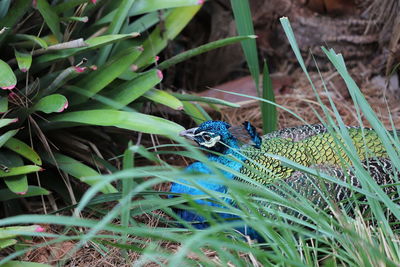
258, 159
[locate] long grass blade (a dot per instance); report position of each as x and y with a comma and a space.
244, 25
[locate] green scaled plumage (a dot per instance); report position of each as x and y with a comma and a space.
263, 160
315, 147
308, 145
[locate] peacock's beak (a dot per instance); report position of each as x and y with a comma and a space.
189, 133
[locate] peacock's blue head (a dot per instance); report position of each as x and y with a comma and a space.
212, 135
219, 136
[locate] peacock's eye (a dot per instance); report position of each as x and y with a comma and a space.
206, 137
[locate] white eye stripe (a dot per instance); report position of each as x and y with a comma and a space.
204, 132
212, 141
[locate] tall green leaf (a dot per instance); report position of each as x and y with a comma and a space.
97, 80
202, 49
127, 120
92, 43
244, 25
127, 184
120, 17
79, 170
268, 111
50, 17
145, 6
164, 98
23, 149
176, 20
131, 90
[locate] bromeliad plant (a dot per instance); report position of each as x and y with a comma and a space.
55, 64
59, 70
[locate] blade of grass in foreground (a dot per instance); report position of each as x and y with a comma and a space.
127, 187
362, 106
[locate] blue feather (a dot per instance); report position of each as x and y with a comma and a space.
225, 142
205, 135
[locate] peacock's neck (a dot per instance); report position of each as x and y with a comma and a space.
231, 158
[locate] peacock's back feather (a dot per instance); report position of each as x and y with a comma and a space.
308, 146
260, 159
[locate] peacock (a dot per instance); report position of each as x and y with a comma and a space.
259, 158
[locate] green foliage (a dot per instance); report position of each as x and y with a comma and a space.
244, 25
202, 49
24, 60
9, 234
24, 264
325, 239
51, 103
7, 77
70, 64
268, 110
48, 57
